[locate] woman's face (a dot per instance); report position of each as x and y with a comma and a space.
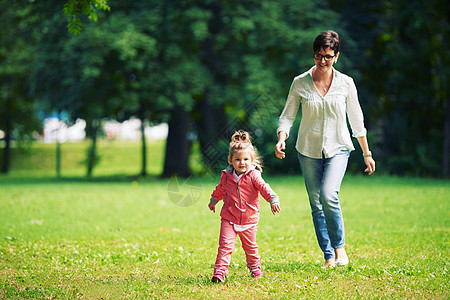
325, 59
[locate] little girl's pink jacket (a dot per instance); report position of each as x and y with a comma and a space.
241, 199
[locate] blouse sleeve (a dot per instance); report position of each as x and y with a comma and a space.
354, 112
289, 113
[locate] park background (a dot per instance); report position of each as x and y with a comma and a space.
204, 69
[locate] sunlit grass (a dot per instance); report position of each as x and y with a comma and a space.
115, 158
127, 239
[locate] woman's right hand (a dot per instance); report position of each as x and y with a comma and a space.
279, 147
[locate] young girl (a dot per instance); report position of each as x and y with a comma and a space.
238, 188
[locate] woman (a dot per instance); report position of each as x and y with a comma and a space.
327, 98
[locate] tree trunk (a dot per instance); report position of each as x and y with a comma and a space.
144, 148
210, 124
446, 149
176, 162
206, 123
58, 150
7, 149
212, 119
438, 71
58, 159
92, 152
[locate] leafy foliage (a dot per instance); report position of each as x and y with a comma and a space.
18, 113
211, 67
402, 53
73, 9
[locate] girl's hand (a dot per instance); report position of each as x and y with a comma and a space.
370, 163
212, 207
275, 208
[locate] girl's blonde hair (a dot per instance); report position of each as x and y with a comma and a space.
242, 141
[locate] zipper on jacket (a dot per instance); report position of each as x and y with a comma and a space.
240, 202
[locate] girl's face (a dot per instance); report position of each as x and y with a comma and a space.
326, 61
241, 161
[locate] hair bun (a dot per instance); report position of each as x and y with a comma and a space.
241, 136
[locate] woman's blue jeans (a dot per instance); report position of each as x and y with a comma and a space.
323, 179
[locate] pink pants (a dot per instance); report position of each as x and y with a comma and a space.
227, 240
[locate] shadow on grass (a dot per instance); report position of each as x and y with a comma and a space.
6, 179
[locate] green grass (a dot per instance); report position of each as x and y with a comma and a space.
73, 239
117, 158
118, 236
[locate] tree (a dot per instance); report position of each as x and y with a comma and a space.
402, 51
251, 50
206, 67
18, 116
97, 74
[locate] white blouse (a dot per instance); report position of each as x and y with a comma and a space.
323, 128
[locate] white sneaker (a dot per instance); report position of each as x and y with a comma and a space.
342, 261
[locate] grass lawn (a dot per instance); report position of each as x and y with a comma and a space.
114, 238
118, 158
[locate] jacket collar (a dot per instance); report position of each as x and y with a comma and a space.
230, 169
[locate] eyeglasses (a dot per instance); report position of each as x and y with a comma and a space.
326, 57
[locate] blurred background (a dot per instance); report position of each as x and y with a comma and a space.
173, 80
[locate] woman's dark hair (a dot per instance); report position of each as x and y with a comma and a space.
327, 39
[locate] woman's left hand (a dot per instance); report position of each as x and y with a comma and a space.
370, 163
